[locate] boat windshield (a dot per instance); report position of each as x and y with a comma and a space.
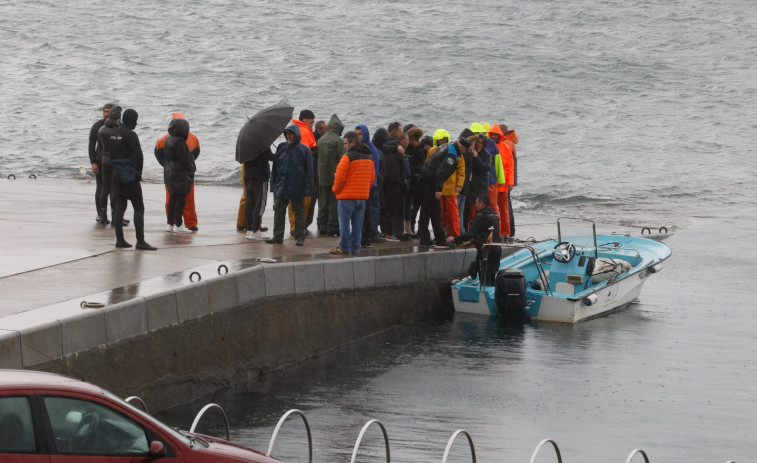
580, 232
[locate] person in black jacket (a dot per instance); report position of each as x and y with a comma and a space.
438, 168
484, 229
95, 159
480, 166
127, 158
178, 173
256, 175
391, 183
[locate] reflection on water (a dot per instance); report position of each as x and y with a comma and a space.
671, 374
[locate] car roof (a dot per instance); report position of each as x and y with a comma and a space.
19, 379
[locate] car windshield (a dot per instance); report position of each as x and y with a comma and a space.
169, 430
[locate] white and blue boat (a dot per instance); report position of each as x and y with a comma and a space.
575, 277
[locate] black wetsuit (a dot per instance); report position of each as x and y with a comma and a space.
484, 228
106, 165
127, 161
95, 157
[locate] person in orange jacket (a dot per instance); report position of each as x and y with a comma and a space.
511, 139
190, 215
506, 155
352, 187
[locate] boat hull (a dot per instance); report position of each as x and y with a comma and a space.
588, 301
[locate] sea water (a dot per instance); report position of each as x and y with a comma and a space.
636, 113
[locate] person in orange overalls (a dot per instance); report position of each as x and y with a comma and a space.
190, 215
508, 165
511, 139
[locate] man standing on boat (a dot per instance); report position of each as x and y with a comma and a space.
484, 229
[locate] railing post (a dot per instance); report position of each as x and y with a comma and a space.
541, 444
633, 454
452, 439
204, 409
360, 438
281, 422
138, 400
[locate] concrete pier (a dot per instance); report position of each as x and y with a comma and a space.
203, 311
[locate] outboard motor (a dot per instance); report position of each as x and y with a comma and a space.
510, 295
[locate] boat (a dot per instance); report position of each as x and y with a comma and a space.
576, 277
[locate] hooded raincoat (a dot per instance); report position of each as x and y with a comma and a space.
292, 171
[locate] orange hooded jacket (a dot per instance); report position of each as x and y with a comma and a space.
511, 139
306, 134
506, 154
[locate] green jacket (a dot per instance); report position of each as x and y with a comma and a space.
330, 151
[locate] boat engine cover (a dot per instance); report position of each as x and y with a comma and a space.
510, 295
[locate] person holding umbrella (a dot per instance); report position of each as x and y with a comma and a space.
256, 175
291, 178
253, 152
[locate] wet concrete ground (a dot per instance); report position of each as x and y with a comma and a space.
52, 249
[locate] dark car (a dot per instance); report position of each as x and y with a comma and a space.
51, 418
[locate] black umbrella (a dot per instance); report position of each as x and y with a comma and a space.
261, 130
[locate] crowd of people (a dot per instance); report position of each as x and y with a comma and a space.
388, 187
417, 179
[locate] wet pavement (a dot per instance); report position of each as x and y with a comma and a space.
53, 250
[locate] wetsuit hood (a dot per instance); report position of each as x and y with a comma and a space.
179, 128
296, 131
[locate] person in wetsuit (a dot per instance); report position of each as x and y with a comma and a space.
95, 159
127, 159
484, 229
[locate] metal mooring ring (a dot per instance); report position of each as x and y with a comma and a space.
649, 231
11, 175
91, 305
223, 266
191, 276
663, 228
32, 176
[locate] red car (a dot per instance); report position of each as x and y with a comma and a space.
56, 419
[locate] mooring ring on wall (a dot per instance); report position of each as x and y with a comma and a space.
192, 276
225, 269
32, 176
91, 305
11, 177
649, 231
663, 228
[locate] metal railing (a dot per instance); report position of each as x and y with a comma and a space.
202, 412
360, 438
633, 454
137, 400
278, 427
541, 444
452, 439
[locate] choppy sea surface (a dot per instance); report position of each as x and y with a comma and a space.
637, 113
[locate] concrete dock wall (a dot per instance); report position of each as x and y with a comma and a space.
170, 343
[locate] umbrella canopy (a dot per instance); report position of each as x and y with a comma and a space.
261, 130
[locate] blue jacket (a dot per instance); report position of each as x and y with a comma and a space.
374, 152
292, 171
491, 147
